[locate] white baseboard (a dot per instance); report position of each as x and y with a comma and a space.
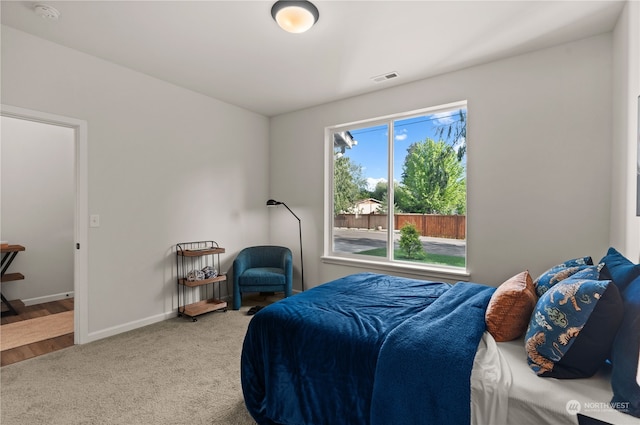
48, 298
125, 327
115, 330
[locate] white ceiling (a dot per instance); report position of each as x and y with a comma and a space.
234, 51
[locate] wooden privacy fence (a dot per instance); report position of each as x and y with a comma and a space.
435, 225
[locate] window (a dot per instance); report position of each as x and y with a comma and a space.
419, 219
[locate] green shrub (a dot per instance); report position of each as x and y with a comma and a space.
410, 242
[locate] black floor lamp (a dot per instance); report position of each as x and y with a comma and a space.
273, 203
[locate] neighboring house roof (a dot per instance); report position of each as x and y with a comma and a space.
343, 140
369, 201
367, 206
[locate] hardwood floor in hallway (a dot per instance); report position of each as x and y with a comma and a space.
41, 347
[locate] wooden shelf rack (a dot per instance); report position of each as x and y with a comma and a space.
194, 257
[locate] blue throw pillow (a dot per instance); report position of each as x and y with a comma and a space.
557, 273
625, 352
622, 270
572, 328
595, 272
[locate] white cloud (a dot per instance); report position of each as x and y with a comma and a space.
371, 183
443, 118
402, 135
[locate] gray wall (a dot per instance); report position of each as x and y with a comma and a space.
539, 159
625, 225
166, 165
38, 202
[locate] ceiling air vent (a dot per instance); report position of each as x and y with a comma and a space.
384, 77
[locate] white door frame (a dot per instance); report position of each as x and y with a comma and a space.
81, 256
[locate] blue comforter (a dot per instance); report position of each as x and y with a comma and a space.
365, 349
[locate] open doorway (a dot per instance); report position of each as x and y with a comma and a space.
44, 209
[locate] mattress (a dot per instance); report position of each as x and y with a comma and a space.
504, 390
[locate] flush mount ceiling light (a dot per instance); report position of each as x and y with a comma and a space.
294, 16
46, 12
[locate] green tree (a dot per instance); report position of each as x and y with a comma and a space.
380, 191
398, 194
456, 132
348, 184
434, 179
401, 198
384, 207
410, 242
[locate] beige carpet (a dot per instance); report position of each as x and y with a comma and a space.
173, 372
25, 332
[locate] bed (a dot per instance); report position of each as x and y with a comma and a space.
376, 349
533, 400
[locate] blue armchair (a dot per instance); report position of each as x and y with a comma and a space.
264, 268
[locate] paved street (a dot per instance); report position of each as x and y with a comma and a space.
355, 240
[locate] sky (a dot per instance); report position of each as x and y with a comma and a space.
371, 149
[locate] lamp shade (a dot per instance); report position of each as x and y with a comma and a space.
295, 16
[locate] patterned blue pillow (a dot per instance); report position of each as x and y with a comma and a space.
625, 353
622, 270
595, 272
557, 273
572, 328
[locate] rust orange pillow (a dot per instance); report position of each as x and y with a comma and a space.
510, 308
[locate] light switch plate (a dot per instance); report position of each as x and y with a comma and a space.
94, 220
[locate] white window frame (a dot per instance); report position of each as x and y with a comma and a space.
383, 264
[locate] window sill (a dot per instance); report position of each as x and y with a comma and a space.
429, 272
